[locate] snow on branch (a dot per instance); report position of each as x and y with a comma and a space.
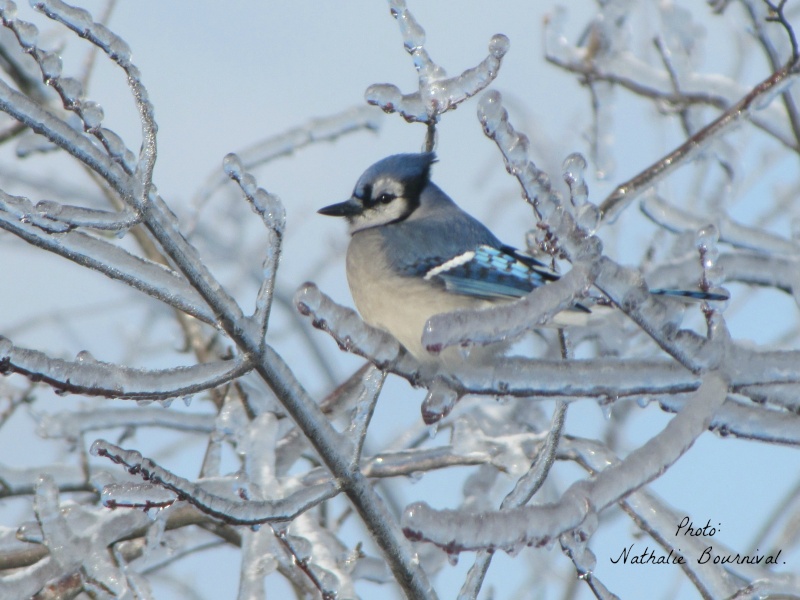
88, 376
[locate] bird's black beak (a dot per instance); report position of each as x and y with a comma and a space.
348, 208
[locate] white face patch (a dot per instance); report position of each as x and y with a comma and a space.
379, 212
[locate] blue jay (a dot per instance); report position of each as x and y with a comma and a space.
414, 253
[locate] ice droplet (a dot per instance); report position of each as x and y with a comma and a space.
499, 45
438, 403
232, 165
51, 65
8, 10
27, 33
92, 114
384, 95
706, 237
72, 90
48, 208
85, 357
308, 299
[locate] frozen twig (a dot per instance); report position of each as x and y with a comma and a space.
229, 511
91, 377
523, 491
437, 93
270, 209
456, 531
759, 97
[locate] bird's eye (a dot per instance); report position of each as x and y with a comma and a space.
386, 198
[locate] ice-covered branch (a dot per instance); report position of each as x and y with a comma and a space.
607, 63
272, 213
677, 220
437, 93
81, 22
747, 421
41, 121
456, 531
229, 511
371, 386
759, 97
351, 333
109, 259
523, 491
323, 129
509, 321
564, 234
69, 90
52, 217
88, 376
72, 424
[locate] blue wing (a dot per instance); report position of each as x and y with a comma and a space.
489, 272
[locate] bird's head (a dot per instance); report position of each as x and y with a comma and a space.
388, 192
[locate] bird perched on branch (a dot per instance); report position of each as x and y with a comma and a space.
414, 253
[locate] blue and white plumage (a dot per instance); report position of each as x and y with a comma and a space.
414, 253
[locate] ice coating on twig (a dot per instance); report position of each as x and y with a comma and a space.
144, 496
370, 389
509, 321
456, 531
81, 22
95, 378
730, 232
70, 90
235, 513
270, 208
52, 217
743, 420
349, 331
563, 235
72, 424
437, 93
322, 129
758, 98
